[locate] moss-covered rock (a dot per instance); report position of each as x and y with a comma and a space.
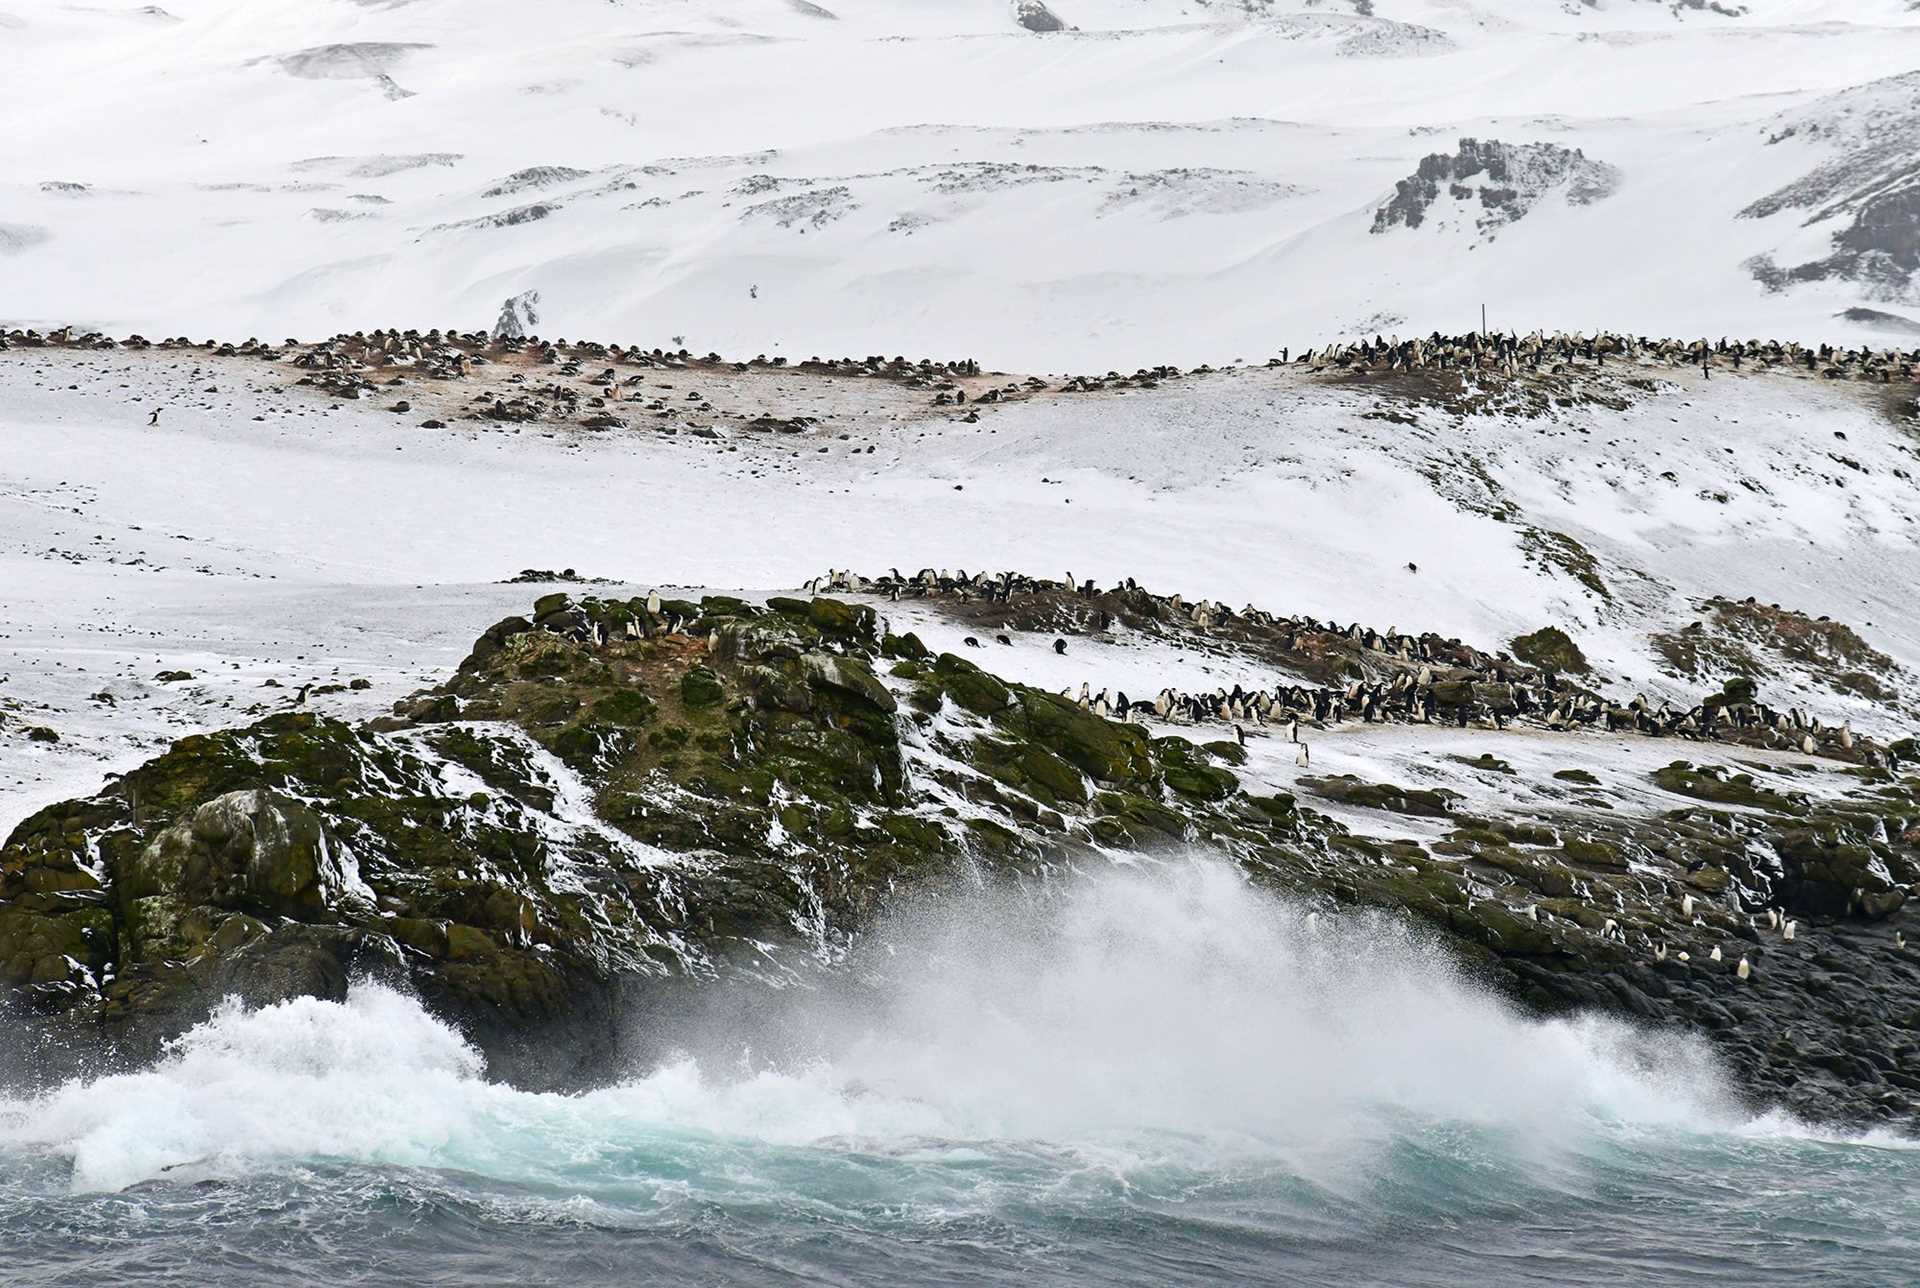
699, 687
1713, 783
851, 676
971, 687
609, 797
1551, 649
849, 623
1436, 802
1103, 749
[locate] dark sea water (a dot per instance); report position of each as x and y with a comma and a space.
1153, 1080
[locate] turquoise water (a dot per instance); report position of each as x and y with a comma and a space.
1154, 1079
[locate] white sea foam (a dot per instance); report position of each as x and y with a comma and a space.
1164, 1015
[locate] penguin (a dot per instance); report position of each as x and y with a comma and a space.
1715, 954
155, 418
971, 642
300, 698
1787, 932
1240, 734
1743, 970
1686, 906
653, 602
1300, 757
1659, 952
1060, 646
1001, 639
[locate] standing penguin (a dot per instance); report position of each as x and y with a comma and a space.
155, 418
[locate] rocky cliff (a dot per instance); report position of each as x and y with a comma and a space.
612, 801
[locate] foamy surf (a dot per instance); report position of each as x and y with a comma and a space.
1173, 1001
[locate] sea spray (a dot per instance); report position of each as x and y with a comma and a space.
1149, 1076
1165, 1014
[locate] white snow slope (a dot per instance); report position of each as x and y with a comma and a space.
1171, 181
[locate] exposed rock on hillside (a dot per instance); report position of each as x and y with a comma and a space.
1494, 183
1867, 191
539, 176
1035, 16
363, 60
1762, 641
519, 315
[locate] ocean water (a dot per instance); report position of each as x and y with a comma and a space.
1155, 1077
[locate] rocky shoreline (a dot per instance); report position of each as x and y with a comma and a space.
615, 800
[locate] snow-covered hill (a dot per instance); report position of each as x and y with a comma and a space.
262, 537
1159, 180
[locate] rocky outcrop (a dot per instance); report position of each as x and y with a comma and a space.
539, 176
612, 801
360, 60
1866, 191
519, 315
1035, 16
1494, 183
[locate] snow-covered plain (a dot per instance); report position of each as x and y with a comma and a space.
1169, 180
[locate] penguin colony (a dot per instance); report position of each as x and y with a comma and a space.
1423, 679
1513, 355
352, 365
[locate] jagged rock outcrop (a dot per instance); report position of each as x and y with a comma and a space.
519, 315
1495, 183
1865, 193
539, 176
1035, 16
